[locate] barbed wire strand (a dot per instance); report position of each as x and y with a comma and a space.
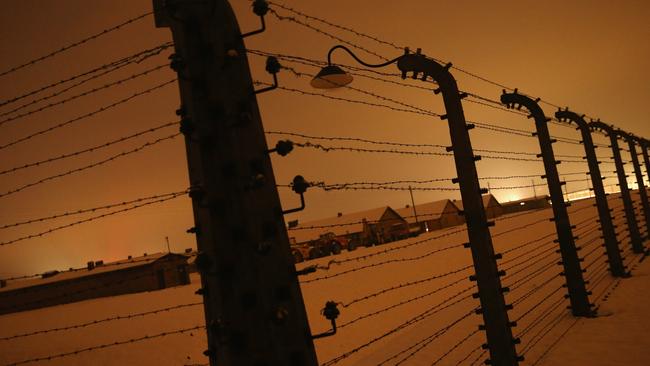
82, 94
87, 115
467, 356
92, 209
422, 111
421, 316
454, 347
374, 265
529, 276
384, 42
450, 232
93, 218
541, 316
416, 145
108, 345
75, 44
90, 149
472, 96
526, 244
408, 301
324, 148
556, 341
318, 30
104, 320
92, 165
406, 284
536, 338
538, 304
420, 345
94, 73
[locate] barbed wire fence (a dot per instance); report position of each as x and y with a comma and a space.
34, 103
427, 310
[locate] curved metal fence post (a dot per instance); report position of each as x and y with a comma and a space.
635, 236
578, 294
616, 266
494, 310
631, 142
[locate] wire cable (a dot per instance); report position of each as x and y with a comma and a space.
406, 284
87, 210
75, 44
421, 316
94, 74
88, 115
93, 165
384, 251
99, 321
108, 345
420, 345
454, 347
80, 95
93, 218
378, 40
90, 149
577, 158
556, 341
397, 260
408, 301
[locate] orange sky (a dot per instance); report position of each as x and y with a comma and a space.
589, 55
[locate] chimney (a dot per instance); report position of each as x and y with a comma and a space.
91, 265
130, 257
339, 214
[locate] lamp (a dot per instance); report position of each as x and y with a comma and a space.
332, 76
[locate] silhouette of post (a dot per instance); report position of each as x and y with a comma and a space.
631, 142
254, 312
633, 229
494, 310
578, 293
646, 156
616, 266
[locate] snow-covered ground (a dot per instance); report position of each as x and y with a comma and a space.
381, 291
619, 336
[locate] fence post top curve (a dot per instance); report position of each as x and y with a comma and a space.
517, 100
567, 116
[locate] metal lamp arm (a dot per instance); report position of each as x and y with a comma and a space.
329, 58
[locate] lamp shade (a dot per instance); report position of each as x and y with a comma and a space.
331, 77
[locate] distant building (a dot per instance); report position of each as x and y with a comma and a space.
375, 226
492, 207
432, 216
98, 279
525, 204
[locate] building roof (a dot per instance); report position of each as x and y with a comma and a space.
340, 225
426, 211
85, 272
487, 199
